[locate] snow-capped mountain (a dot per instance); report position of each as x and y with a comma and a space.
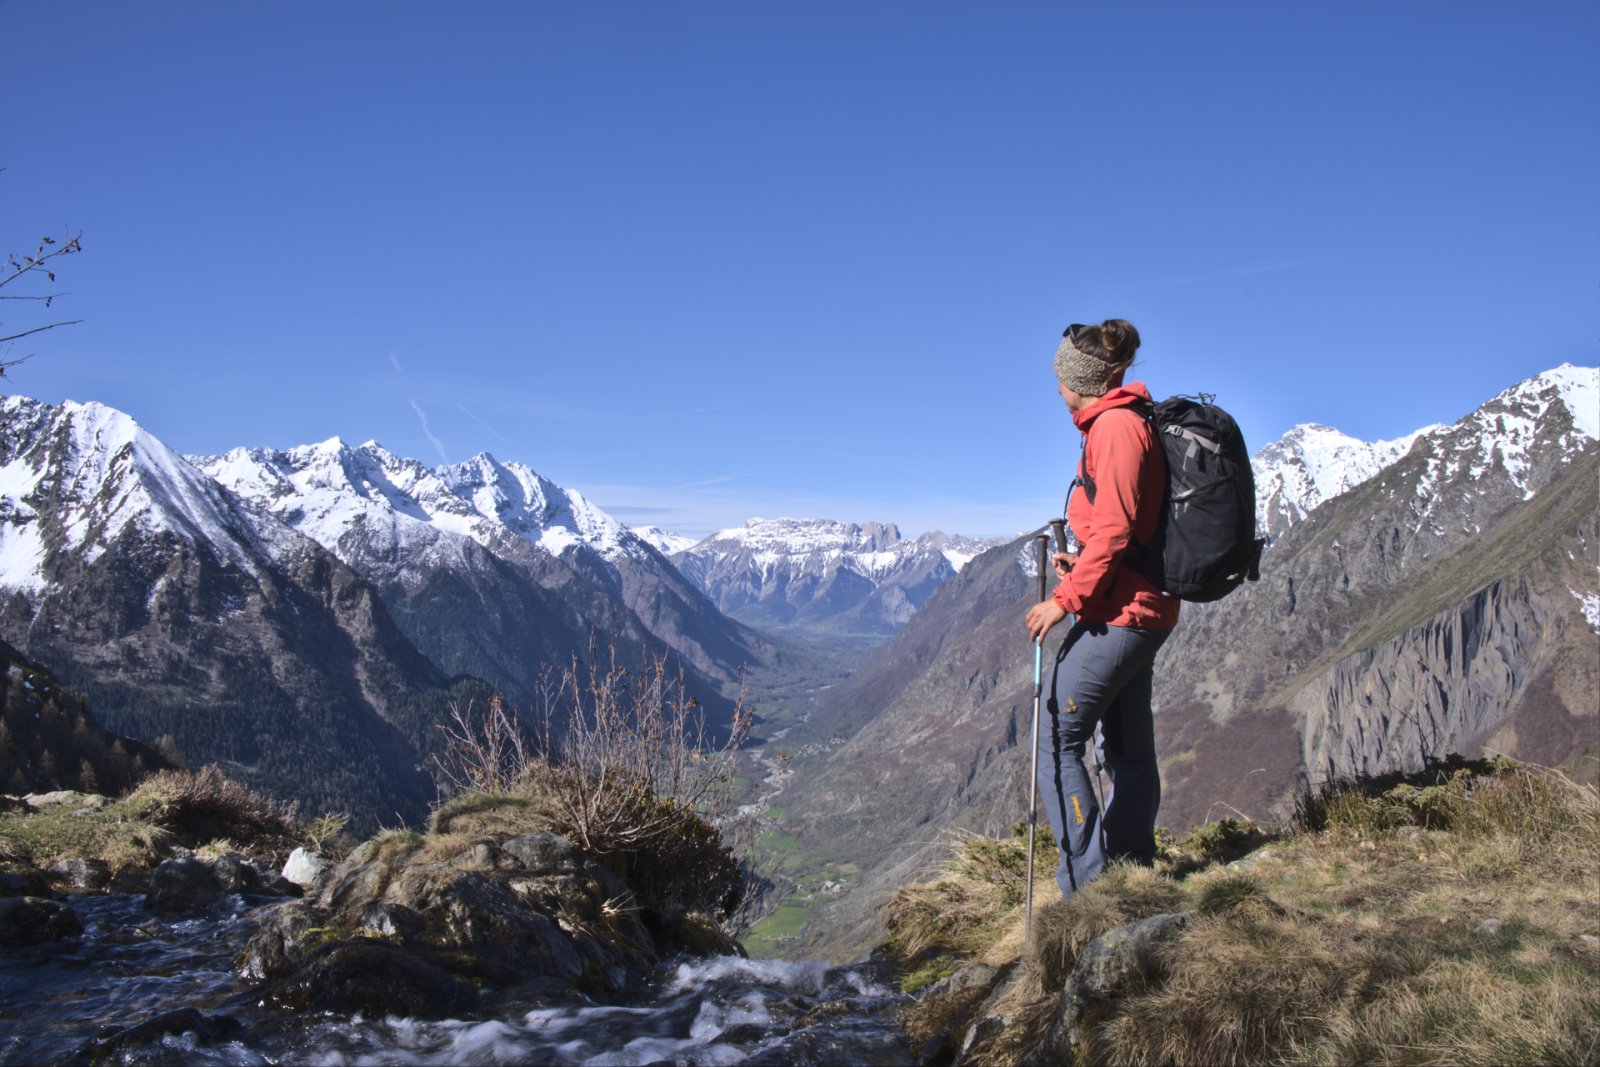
77, 477
333, 493
534, 567
1311, 463
664, 541
178, 610
822, 573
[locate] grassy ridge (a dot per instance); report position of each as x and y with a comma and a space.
1450, 917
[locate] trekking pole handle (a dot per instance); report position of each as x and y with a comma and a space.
1059, 526
1044, 561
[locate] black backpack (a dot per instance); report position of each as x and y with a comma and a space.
1205, 545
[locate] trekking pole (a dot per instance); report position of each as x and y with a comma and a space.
1033, 777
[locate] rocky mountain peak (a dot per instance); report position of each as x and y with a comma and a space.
1557, 409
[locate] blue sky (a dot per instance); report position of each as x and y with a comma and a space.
709, 261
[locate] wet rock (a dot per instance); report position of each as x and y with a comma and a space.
375, 978
81, 873
185, 884
192, 883
36, 921
29, 883
113, 1043
691, 932
304, 867
1116, 963
279, 943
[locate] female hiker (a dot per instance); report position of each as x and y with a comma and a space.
1104, 669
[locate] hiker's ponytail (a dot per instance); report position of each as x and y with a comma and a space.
1119, 339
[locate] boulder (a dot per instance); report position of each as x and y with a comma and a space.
35, 921
304, 867
80, 873
185, 884
118, 1044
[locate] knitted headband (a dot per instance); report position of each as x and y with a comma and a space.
1083, 373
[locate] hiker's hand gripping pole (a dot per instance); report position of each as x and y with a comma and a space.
1043, 544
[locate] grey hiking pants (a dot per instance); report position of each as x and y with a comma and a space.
1102, 674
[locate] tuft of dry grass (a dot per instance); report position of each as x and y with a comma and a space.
969, 907
1461, 1012
197, 810
202, 806
1234, 992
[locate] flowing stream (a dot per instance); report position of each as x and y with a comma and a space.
138, 988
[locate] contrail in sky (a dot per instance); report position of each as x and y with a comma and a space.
422, 417
480, 422
394, 361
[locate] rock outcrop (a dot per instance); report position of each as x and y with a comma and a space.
415, 925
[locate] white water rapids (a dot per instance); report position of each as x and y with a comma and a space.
79, 1001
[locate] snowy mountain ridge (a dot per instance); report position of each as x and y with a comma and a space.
1313, 463
822, 573
334, 493
872, 549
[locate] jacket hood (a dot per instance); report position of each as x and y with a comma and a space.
1123, 396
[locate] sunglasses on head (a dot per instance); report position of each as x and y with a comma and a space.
1072, 331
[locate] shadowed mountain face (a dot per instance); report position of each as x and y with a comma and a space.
49, 740
1450, 602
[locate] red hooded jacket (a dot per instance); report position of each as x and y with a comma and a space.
1129, 472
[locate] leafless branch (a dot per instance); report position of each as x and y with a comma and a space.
36, 329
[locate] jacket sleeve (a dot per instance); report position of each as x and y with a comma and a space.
1115, 451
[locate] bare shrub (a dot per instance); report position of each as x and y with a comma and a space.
483, 749
623, 761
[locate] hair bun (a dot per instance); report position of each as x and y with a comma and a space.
1120, 339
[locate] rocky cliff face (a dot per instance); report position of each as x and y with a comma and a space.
824, 575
